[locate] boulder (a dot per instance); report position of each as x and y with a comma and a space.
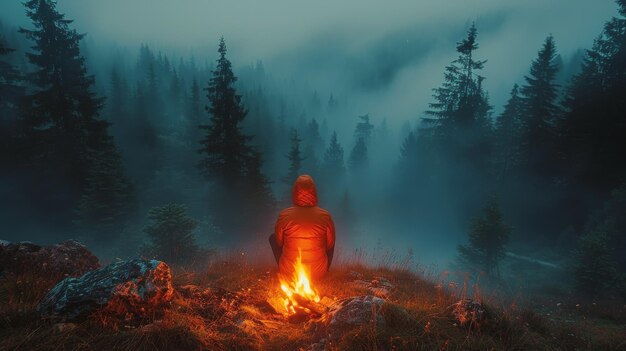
69, 258
378, 286
346, 314
133, 289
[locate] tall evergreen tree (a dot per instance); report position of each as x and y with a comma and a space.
171, 234
313, 136
259, 200
107, 203
333, 158
593, 128
538, 152
193, 134
10, 92
364, 129
593, 266
118, 95
407, 163
224, 147
152, 92
358, 156
228, 159
332, 104
459, 116
295, 159
60, 116
507, 134
194, 107
382, 132
176, 89
487, 239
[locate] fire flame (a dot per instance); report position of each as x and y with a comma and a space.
299, 289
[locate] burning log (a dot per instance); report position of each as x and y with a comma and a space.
301, 298
299, 288
313, 308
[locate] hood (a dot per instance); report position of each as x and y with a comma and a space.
304, 193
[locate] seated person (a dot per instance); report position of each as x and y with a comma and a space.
304, 228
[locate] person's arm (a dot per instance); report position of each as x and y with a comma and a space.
330, 240
278, 230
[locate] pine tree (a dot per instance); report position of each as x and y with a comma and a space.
171, 235
152, 93
118, 95
10, 88
487, 239
313, 136
332, 104
107, 202
224, 147
332, 172
459, 117
295, 159
599, 261
60, 115
193, 114
195, 98
62, 108
358, 156
592, 129
538, 152
507, 134
594, 266
10, 92
259, 199
141, 142
228, 160
364, 129
334, 165
382, 132
176, 88
407, 162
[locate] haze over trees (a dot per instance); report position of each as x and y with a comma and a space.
90, 145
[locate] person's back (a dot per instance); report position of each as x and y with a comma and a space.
305, 229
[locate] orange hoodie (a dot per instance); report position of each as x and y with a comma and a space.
305, 227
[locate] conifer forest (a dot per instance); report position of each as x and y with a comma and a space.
466, 166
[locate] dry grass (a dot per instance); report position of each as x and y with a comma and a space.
225, 308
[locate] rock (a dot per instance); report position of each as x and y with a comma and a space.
132, 289
348, 313
470, 313
69, 258
379, 286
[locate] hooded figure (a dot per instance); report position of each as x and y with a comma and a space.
304, 229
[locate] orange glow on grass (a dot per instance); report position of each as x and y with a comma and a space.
298, 289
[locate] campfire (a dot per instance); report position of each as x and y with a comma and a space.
301, 297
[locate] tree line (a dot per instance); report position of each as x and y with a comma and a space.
553, 158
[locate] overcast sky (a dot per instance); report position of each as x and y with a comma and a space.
387, 54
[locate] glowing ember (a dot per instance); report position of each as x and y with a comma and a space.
299, 291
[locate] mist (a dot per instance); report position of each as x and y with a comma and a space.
313, 175
291, 59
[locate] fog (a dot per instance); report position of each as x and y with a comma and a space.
377, 58
386, 57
